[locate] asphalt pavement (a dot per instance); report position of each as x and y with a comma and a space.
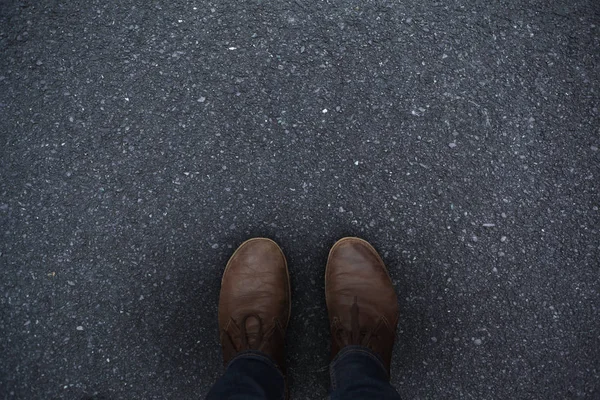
142, 141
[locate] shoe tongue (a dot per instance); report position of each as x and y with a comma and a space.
253, 331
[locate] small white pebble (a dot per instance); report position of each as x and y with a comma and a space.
477, 342
341, 209
452, 145
495, 270
355, 162
232, 48
489, 225
202, 99
215, 246
503, 239
325, 111
79, 328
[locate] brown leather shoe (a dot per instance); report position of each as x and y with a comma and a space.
361, 300
254, 305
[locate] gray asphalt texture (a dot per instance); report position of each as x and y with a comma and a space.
143, 141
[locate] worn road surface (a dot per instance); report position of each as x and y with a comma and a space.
142, 141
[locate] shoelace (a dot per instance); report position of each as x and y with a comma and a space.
244, 336
355, 336
245, 343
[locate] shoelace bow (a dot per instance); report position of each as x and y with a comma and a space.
355, 336
245, 343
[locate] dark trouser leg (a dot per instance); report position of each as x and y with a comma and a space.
249, 376
357, 373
